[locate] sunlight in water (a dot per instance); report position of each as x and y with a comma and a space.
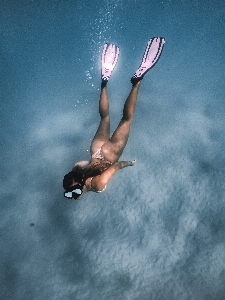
108, 66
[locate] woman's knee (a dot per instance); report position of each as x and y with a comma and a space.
126, 117
104, 117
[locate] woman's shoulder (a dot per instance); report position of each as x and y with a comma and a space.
82, 163
107, 174
96, 184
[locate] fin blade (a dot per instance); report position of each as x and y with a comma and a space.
151, 56
110, 55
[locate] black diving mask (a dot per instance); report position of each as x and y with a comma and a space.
73, 192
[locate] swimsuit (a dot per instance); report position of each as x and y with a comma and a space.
98, 154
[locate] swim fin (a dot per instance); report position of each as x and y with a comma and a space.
152, 53
110, 55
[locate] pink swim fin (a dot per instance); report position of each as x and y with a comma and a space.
110, 55
152, 53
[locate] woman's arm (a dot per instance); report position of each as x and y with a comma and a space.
99, 182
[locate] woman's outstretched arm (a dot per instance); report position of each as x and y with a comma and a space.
99, 182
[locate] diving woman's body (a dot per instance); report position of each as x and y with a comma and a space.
111, 148
105, 149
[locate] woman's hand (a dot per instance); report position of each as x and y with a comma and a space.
124, 164
133, 162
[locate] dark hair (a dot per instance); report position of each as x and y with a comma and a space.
79, 174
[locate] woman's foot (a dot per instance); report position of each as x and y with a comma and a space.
103, 83
152, 53
110, 55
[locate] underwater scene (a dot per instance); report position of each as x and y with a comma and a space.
157, 232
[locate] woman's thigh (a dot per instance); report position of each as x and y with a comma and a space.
102, 135
113, 148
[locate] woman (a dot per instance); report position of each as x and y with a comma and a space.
93, 175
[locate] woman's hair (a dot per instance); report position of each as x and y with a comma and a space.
79, 174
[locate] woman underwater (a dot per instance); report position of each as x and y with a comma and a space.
93, 175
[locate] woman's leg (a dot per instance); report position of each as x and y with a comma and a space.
103, 133
113, 149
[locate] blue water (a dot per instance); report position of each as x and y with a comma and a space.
158, 231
